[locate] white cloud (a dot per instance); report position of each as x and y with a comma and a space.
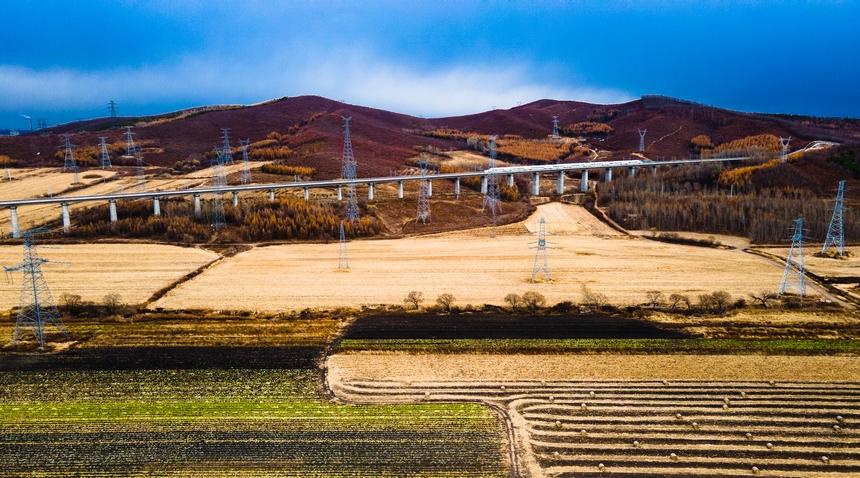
450, 90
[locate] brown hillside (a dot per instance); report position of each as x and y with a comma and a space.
383, 141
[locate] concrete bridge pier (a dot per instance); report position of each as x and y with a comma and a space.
457, 187
560, 186
535, 184
13, 216
583, 185
67, 223
429, 187
156, 207
307, 193
608, 175
632, 172
370, 191
272, 195
340, 193
654, 169
400, 189
235, 198
511, 180
483, 185
112, 206
196, 204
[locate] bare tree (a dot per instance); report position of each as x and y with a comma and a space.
514, 301
446, 301
675, 300
533, 300
414, 299
655, 298
112, 301
721, 299
763, 298
71, 300
706, 301
593, 299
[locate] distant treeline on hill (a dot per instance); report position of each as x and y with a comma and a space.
693, 198
253, 220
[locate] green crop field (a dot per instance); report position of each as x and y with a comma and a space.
705, 346
229, 423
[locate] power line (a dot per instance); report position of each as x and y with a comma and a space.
246, 166
423, 193
36, 307
836, 231
793, 278
348, 171
492, 197
112, 107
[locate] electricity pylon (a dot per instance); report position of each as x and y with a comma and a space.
246, 166
423, 194
492, 198
836, 232
105, 157
112, 107
36, 306
555, 127
348, 170
220, 180
641, 138
784, 143
342, 259
69, 159
132, 151
225, 150
793, 279
541, 259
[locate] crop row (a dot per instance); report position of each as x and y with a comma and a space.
654, 428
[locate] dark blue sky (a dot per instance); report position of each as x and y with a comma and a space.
62, 60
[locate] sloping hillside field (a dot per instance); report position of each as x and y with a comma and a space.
473, 267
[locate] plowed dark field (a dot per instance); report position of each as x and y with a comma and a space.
501, 326
167, 358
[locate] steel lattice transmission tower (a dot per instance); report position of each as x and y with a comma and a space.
555, 127
793, 279
69, 158
112, 107
104, 159
492, 198
132, 151
641, 138
225, 150
342, 259
246, 166
784, 143
348, 170
836, 232
36, 307
541, 259
219, 181
423, 194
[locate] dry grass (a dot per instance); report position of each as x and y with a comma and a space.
134, 271
471, 266
824, 266
403, 366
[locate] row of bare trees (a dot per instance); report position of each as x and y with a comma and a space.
692, 199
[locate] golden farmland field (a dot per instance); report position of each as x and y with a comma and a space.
473, 267
134, 271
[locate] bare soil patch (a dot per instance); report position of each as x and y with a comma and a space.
471, 367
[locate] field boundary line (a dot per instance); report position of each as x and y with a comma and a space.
187, 277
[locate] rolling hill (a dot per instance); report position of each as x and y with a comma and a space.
384, 141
